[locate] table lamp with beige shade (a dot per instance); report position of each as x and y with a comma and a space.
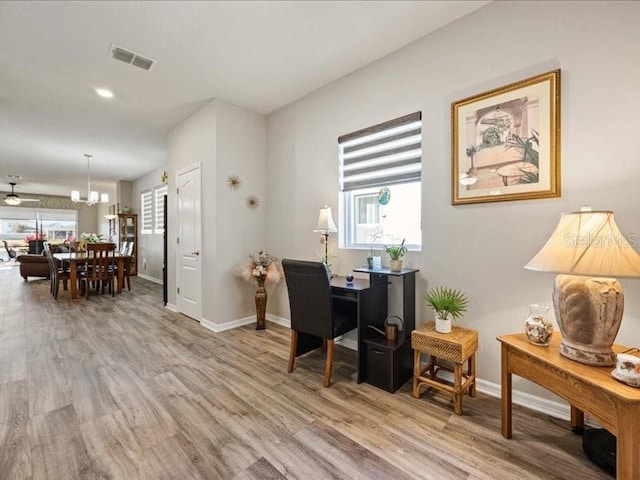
586, 249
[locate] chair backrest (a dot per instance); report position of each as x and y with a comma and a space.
100, 249
309, 297
100, 260
10, 251
53, 267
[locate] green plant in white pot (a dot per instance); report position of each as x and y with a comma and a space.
396, 252
449, 304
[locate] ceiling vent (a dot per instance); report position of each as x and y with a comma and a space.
131, 58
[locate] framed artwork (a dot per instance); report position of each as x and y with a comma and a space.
505, 143
112, 209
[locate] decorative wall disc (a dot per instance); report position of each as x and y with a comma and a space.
233, 182
252, 202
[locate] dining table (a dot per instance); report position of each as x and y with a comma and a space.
74, 259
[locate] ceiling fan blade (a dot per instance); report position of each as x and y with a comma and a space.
29, 199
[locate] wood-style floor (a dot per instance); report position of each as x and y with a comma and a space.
124, 389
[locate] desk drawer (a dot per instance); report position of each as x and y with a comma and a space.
387, 366
378, 365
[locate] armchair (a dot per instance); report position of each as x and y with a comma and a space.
314, 321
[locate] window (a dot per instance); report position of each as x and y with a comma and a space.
146, 209
152, 208
17, 224
158, 194
380, 184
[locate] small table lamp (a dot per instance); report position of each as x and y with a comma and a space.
589, 310
326, 227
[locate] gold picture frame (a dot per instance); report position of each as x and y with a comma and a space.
505, 143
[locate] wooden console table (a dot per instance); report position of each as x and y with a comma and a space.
589, 389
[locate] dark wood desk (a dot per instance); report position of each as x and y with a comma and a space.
587, 389
367, 302
73, 259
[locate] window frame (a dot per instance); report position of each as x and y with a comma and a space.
388, 157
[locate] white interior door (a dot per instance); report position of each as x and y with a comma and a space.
188, 258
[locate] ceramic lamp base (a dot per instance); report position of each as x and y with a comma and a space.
589, 313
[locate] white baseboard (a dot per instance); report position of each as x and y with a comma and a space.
172, 307
221, 327
285, 322
349, 343
150, 278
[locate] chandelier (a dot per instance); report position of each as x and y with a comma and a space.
93, 197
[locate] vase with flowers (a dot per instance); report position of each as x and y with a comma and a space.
89, 238
262, 268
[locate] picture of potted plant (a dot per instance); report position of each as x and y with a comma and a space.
396, 252
449, 304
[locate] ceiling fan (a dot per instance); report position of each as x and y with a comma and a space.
13, 198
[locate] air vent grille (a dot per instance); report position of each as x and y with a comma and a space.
132, 58
142, 62
123, 55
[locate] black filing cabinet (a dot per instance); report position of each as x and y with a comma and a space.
387, 363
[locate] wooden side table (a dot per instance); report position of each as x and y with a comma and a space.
587, 389
458, 347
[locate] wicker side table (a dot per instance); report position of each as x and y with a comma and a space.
458, 347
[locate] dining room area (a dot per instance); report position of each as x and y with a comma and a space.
92, 268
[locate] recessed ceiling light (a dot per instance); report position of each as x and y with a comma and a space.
103, 92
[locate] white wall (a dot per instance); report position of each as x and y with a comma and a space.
480, 248
239, 231
224, 139
149, 245
193, 141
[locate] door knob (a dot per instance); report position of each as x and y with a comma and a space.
197, 252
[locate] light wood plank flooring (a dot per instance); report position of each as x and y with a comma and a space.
124, 389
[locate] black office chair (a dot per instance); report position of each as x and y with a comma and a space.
314, 321
10, 251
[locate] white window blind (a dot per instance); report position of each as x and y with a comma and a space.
146, 209
28, 213
159, 194
385, 154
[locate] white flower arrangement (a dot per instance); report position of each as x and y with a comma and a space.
261, 268
91, 237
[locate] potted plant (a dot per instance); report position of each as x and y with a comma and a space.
396, 252
448, 303
373, 260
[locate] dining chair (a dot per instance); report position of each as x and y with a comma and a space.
56, 273
125, 249
100, 268
74, 246
314, 321
10, 251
